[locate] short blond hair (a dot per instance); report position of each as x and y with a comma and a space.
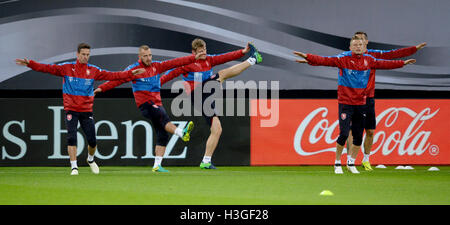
198, 43
356, 37
144, 47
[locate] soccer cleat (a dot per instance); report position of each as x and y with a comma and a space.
366, 166
159, 169
252, 49
207, 166
352, 168
255, 54
74, 171
338, 169
258, 57
94, 167
187, 131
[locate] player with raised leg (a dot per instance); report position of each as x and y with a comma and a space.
146, 91
198, 74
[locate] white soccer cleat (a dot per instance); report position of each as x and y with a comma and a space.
352, 168
74, 171
338, 169
94, 167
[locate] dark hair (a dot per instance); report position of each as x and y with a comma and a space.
83, 45
362, 32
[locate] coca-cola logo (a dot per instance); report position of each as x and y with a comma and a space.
390, 135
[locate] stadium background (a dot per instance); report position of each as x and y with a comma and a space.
48, 31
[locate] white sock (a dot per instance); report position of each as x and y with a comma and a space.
90, 157
74, 164
206, 159
251, 60
366, 158
158, 160
337, 162
350, 160
179, 132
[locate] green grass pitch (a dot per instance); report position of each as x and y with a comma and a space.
292, 185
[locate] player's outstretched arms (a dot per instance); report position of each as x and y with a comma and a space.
56, 70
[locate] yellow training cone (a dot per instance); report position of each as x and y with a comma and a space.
326, 193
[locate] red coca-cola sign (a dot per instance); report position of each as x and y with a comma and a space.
408, 132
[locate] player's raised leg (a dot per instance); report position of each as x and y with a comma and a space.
232, 71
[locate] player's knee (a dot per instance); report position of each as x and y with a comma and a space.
370, 133
91, 139
342, 139
72, 140
357, 140
92, 143
216, 129
162, 139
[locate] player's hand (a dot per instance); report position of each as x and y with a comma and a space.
22, 62
96, 91
301, 54
200, 54
138, 71
301, 61
421, 45
410, 61
246, 49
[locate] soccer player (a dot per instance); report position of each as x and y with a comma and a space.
370, 101
354, 71
78, 98
198, 74
146, 90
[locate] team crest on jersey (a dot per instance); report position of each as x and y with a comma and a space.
88, 72
343, 116
69, 117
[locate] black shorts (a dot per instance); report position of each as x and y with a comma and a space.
87, 123
351, 117
371, 120
159, 118
207, 115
